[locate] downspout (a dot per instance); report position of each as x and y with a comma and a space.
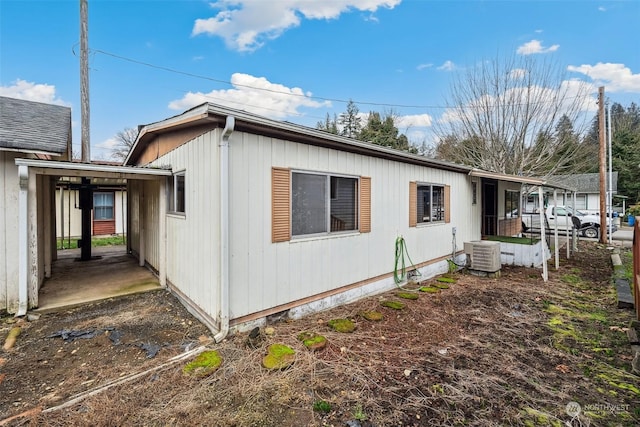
224, 229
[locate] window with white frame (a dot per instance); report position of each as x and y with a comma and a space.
512, 204
322, 203
430, 203
176, 186
103, 206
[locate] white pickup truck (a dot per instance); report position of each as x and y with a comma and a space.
565, 218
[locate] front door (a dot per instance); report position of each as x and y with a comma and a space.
489, 207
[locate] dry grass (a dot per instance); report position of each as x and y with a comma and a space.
481, 353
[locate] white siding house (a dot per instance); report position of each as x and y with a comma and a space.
258, 233
27, 130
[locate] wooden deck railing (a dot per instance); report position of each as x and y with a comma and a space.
636, 266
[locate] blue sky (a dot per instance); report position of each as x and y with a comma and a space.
297, 60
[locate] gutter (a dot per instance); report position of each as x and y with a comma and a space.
224, 229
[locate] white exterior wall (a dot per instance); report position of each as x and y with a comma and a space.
193, 239
503, 186
264, 275
73, 214
9, 189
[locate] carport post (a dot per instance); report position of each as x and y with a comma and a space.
556, 250
23, 237
543, 237
162, 268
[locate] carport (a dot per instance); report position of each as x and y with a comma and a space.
36, 222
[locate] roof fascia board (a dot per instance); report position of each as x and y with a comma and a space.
27, 151
48, 167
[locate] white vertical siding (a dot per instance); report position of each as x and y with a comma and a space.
193, 239
264, 274
9, 189
151, 219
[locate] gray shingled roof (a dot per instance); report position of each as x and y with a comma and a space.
34, 127
585, 182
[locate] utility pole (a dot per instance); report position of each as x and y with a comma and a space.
84, 81
603, 145
85, 189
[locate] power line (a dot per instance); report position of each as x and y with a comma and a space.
199, 76
339, 100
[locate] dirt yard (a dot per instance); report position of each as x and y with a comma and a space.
486, 351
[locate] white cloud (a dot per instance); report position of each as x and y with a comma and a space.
517, 73
535, 46
254, 94
447, 66
602, 9
538, 31
246, 25
29, 91
108, 144
415, 120
424, 66
615, 77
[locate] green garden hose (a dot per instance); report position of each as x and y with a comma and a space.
400, 268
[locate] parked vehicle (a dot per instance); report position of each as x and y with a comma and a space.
565, 218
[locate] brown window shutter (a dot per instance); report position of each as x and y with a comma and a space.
365, 204
280, 205
447, 203
413, 204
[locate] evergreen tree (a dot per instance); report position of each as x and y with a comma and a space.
350, 121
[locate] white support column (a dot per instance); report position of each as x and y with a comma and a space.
556, 249
46, 240
32, 239
569, 222
162, 267
23, 240
545, 271
141, 225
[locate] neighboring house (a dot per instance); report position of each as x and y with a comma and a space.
109, 210
29, 130
587, 191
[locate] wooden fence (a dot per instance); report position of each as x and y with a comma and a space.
636, 266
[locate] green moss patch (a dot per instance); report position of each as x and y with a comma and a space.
279, 357
429, 289
204, 364
342, 325
396, 305
312, 341
407, 295
446, 279
374, 316
440, 285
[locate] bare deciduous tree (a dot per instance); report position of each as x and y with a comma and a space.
503, 117
125, 140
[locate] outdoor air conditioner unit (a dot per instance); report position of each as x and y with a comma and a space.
483, 255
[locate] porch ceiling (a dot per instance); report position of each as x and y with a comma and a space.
520, 179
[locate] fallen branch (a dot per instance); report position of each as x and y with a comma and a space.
31, 412
81, 396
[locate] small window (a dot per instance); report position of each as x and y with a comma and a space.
103, 206
430, 203
512, 204
177, 200
323, 203
474, 193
